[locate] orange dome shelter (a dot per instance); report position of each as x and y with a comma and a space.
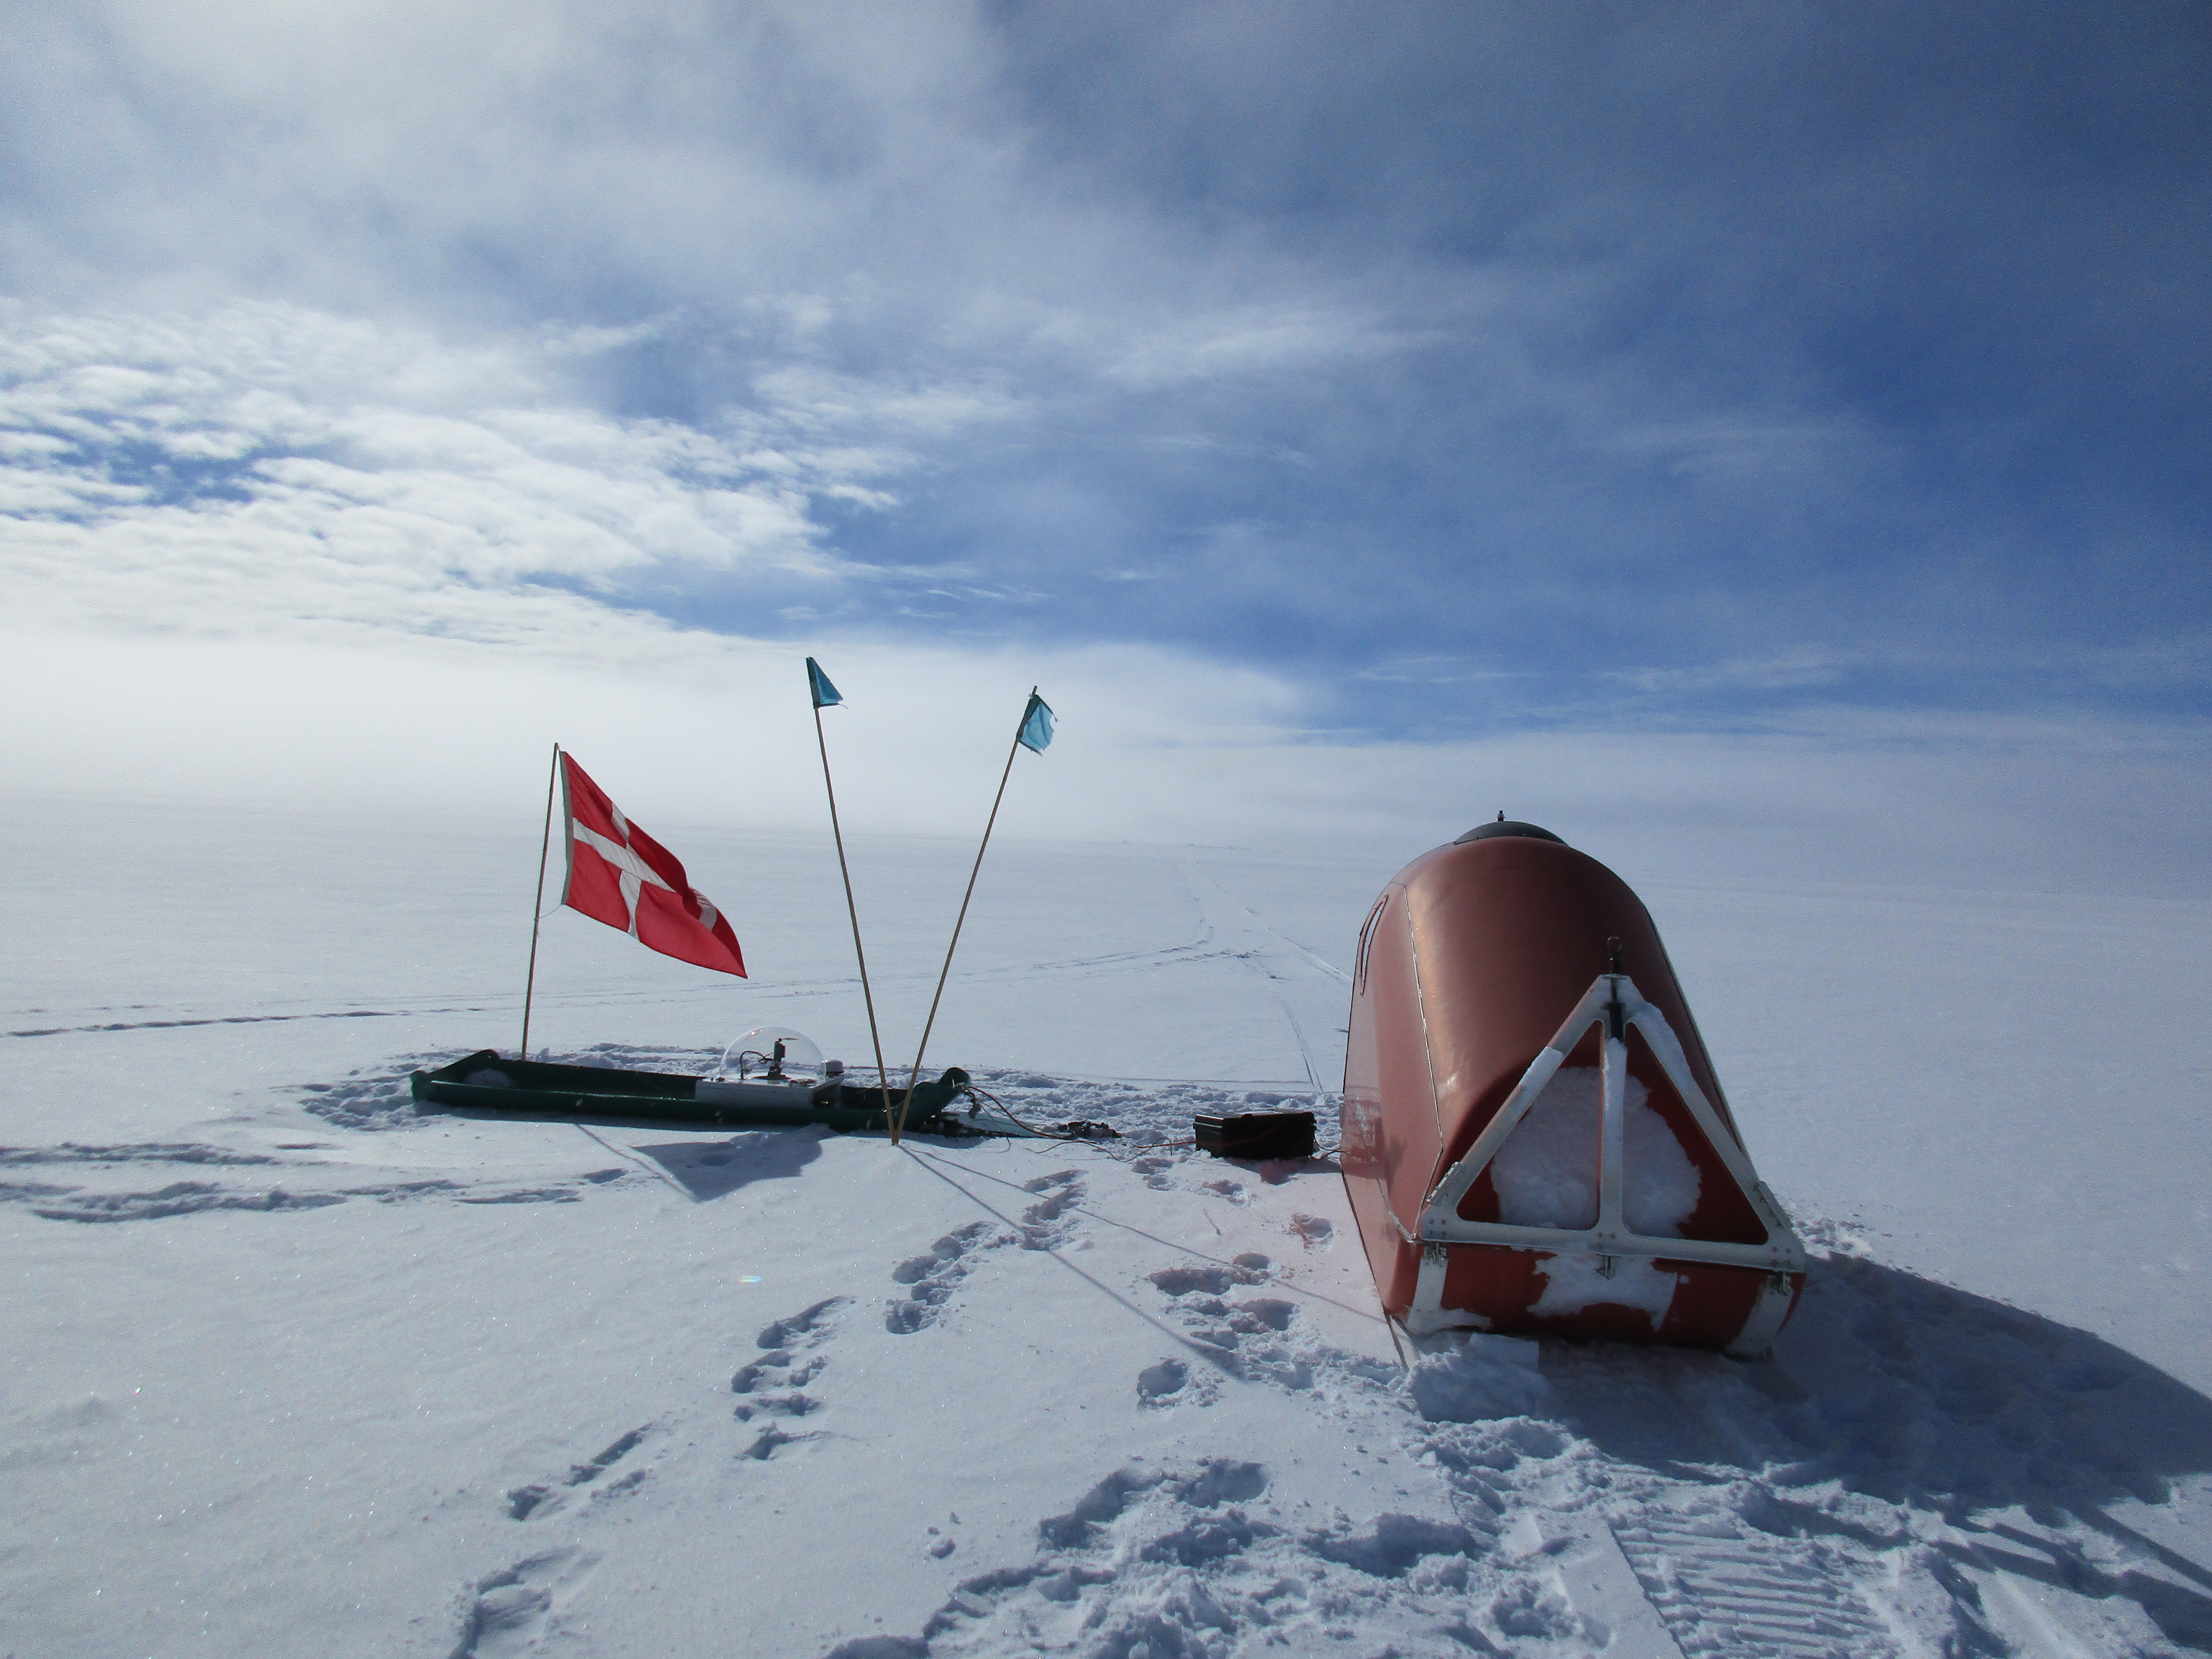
1535, 1140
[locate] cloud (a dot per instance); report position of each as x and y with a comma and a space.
1742, 375
261, 469
1719, 449
1154, 746
1252, 340
1790, 671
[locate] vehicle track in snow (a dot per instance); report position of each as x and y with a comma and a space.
184, 1023
1723, 1590
1919, 1471
273, 1184
86, 1021
1278, 960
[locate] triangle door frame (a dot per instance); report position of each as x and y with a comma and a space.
1613, 1002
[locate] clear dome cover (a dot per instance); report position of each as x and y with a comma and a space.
771, 1052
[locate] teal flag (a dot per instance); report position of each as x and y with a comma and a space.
827, 696
1037, 725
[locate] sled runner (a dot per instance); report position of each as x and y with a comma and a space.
1535, 1140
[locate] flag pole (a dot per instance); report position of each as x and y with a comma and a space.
852, 910
915, 1075
537, 906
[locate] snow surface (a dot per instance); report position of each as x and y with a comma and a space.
292, 1368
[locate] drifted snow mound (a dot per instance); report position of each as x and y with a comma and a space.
1477, 1379
1547, 1172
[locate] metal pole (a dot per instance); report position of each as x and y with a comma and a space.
854, 911
538, 906
915, 1075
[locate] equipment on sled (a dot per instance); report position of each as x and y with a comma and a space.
1535, 1140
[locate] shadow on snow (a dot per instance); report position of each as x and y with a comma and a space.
709, 1170
1923, 1397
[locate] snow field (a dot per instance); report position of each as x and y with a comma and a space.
293, 1367
1148, 1384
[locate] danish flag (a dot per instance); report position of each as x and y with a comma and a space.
620, 875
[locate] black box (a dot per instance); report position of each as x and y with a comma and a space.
1256, 1135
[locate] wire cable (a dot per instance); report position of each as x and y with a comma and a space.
1007, 1112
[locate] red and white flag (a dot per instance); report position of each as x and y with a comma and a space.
620, 875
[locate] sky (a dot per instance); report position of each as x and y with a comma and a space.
1773, 434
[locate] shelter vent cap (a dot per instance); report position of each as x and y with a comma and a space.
1506, 826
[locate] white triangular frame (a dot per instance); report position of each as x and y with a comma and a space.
1613, 1002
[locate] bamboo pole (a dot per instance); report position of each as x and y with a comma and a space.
537, 906
915, 1075
852, 910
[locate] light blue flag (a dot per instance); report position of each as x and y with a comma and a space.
826, 695
1037, 725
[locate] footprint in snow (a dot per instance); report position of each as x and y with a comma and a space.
1154, 1169
802, 1329
1215, 1278
1043, 1227
545, 1499
1246, 1335
1172, 1382
380, 1099
1160, 1382
513, 1610
933, 1276
1198, 1558
773, 1385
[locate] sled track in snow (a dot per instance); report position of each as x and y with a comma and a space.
1277, 960
502, 1003
59, 1200
1226, 930
236, 1019
1724, 1595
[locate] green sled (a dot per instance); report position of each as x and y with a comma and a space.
489, 1082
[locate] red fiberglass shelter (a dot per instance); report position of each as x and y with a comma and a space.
1533, 1138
